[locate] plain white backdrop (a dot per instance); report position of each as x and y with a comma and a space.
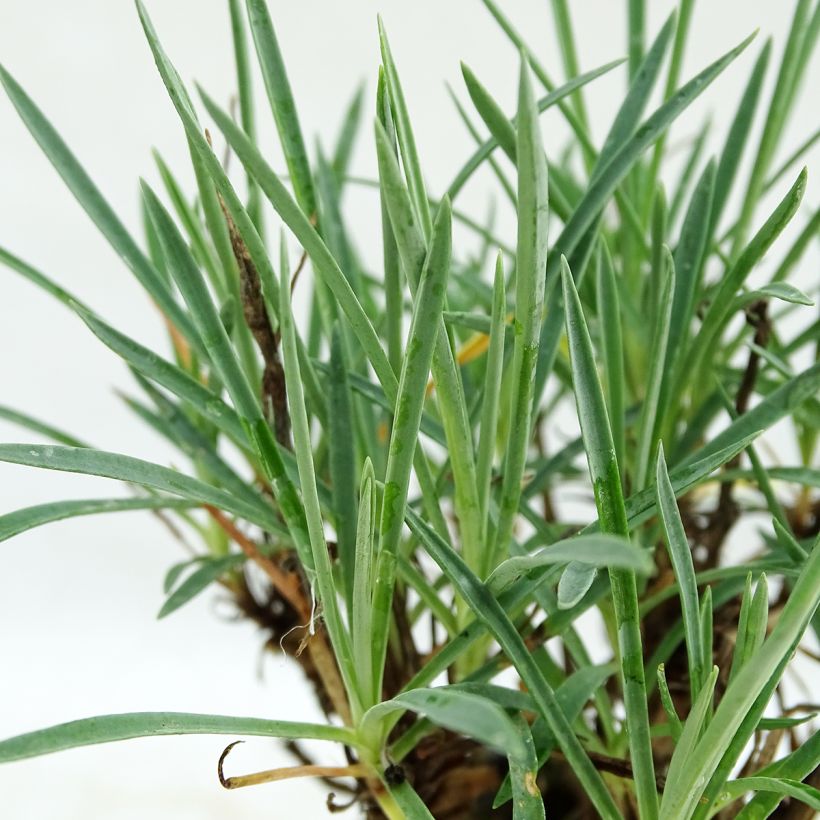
78, 599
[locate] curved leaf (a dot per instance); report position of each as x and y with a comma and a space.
109, 728
127, 468
14, 523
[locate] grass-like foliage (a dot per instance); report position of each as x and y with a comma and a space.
389, 471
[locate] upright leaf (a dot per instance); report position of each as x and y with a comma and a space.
680, 557
606, 482
95, 205
412, 390
529, 297
281, 100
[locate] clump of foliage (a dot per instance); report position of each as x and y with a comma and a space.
385, 468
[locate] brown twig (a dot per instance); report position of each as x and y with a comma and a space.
274, 391
355, 770
615, 765
305, 760
726, 513
290, 588
295, 277
286, 584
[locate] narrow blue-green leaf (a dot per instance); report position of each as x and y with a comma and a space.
38, 278
192, 227
569, 55
502, 128
204, 158
406, 139
298, 222
606, 482
332, 221
689, 257
176, 571
718, 313
683, 792
605, 183
769, 724
342, 463
531, 254
14, 523
147, 362
484, 720
244, 83
777, 404
796, 766
488, 610
198, 581
109, 728
36, 426
492, 395
571, 696
798, 248
781, 786
775, 290
409, 239
592, 413
282, 103
598, 550
496, 168
680, 556
738, 135
791, 160
362, 596
774, 122
693, 162
345, 142
126, 468
457, 710
707, 632
486, 149
575, 582
651, 409
95, 205
393, 295
636, 34
752, 628
407, 418
642, 80
430, 598
692, 730
675, 725
684, 19
449, 391
748, 725
408, 801
640, 507
609, 313
177, 427
318, 566
528, 803
786, 537
170, 376
192, 285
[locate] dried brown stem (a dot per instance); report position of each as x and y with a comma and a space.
274, 392
355, 770
290, 588
726, 513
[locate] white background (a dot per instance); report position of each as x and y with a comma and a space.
77, 599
